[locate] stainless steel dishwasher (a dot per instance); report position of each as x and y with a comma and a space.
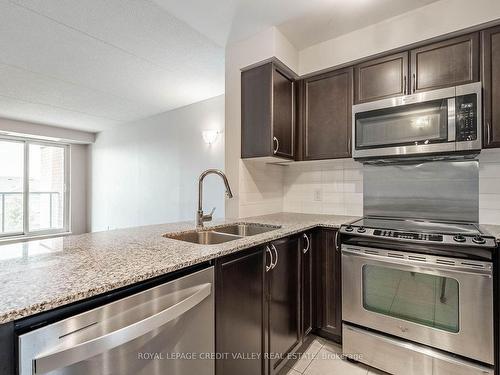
168, 329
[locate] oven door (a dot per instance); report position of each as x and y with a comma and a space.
414, 124
442, 302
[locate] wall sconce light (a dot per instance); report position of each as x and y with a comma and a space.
210, 136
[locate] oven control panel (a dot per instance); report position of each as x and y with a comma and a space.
408, 235
441, 239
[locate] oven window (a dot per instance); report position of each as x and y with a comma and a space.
413, 124
416, 297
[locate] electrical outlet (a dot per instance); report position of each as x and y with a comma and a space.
318, 195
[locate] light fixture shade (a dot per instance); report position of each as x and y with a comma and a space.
210, 136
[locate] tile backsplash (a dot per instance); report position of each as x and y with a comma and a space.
336, 187
327, 187
489, 187
260, 188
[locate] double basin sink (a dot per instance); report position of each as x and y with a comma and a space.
222, 233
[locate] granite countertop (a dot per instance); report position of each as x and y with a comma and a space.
493, 230
37, 276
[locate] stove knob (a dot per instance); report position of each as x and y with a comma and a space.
361, 230
459, 238
349, 228
479, 240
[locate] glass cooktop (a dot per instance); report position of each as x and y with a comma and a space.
420, 226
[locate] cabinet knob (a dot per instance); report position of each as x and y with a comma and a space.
404, 86
414, 82
275, 150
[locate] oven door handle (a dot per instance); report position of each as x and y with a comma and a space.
61, 358
418, 265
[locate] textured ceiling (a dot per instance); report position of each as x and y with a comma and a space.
304, 22
97, 63
92, 64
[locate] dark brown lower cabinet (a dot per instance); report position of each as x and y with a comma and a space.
239, 312
329, 287
307, 284
284, 301
258, 297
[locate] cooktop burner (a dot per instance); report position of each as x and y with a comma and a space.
415, 230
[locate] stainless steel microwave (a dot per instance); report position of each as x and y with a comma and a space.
433, 122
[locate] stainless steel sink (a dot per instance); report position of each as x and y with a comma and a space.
205, 237
245, 229
222, 234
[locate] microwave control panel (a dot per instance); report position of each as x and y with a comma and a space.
466, 117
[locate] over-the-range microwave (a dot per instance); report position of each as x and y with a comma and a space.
433, 122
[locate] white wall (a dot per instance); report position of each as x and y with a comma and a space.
79, 188
146, 172
29, 129
259, 187
432, 20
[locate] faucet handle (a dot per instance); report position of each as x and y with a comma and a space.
208, 217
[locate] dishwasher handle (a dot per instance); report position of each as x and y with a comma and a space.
65, 357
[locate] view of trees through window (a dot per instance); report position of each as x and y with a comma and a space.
45, 188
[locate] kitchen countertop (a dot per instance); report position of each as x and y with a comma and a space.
493, 230
37, 276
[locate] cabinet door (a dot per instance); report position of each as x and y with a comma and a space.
330, 301
449, 63
381, 78
239, 310
284, 301
8, 358
307, 283
283, 114
327, 111
256, 111
491, 86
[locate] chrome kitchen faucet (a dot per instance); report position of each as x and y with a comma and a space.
200, 216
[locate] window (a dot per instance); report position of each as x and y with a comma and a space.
34, 189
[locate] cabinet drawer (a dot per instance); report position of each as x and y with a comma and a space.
400, 357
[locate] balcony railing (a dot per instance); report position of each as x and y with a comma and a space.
51, 194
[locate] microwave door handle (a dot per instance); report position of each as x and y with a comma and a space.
57, 359
451, 120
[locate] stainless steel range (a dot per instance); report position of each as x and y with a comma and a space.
418, 295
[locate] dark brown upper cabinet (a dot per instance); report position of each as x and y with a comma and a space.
267, 112
381, 78
452, 62
325, 105
491, 86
